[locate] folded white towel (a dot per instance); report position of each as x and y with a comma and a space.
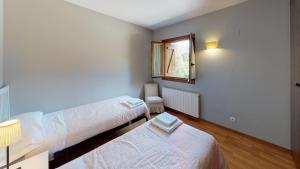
134, 101
166, 119
130, 106
168, 129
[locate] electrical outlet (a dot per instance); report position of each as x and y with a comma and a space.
232, 119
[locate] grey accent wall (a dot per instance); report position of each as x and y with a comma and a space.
249, 76
59, 55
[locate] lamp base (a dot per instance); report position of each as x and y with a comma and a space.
7, 157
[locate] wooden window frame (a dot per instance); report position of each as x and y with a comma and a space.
172, 40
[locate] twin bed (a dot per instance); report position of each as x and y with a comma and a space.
145, 147
68, 127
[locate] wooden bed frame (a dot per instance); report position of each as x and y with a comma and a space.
70, 153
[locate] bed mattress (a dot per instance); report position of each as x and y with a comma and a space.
71, 126
147, 147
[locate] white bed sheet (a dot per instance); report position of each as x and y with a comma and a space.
89, 120
148, 147
72, 126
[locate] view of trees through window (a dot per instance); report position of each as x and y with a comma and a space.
177, 59
174, 59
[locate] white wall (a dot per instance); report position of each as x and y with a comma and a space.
1, 43
249, 76
59, 55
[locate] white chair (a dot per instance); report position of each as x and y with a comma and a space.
153, 101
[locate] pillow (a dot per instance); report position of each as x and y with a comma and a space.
32, 126
32, 136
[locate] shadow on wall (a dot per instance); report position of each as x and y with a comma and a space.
139, 68
87, 58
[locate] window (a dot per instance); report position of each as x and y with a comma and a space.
174, 59
157, 59
177, 59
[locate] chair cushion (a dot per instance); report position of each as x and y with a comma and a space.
154, 99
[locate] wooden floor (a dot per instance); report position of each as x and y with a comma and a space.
240, 151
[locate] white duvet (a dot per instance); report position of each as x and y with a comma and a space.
72, 126
148, 147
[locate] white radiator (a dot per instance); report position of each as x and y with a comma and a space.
185, 102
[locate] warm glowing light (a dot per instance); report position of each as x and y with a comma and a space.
212, 45
9, 132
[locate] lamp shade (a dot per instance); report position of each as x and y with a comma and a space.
9, 132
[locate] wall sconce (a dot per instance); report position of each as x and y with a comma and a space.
212, 45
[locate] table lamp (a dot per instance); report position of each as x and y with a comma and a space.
9, 132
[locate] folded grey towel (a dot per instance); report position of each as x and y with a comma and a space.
166, 119
168, 129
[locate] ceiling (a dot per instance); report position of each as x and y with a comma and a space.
155, 14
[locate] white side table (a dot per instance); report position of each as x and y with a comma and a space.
39, 161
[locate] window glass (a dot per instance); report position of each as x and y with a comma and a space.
157, 59
177, 59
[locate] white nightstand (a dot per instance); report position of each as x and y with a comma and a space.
39, 161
